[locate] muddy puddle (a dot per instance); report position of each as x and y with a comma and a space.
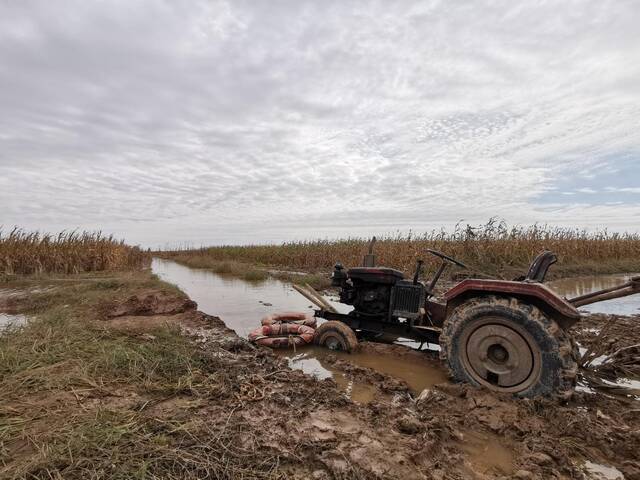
487, 454
574, 287
7, 320
241, 305
417, 373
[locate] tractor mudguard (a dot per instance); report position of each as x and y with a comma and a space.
538, 294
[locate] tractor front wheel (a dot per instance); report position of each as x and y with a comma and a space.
335, 335
507, 345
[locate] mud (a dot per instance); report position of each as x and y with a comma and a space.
384, 423
372, 370
150, 303
396, 429
373, 421
10, 298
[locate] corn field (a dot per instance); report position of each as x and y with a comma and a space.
494, 249
24, 252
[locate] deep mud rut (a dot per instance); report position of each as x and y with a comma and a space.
448, 431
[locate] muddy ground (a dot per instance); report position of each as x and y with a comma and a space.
258, 418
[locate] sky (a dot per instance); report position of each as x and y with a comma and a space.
174, 123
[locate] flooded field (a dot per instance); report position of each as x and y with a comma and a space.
574, 287
241, 305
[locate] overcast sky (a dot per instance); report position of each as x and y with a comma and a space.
208, 122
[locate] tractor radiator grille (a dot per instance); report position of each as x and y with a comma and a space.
407, 299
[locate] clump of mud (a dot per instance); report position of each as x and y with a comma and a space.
150, 303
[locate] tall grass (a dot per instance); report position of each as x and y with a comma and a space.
24, 252
493, 248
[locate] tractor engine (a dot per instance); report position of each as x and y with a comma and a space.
378, 292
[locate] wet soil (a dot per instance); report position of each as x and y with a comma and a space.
392, 425
455, 431
400, 429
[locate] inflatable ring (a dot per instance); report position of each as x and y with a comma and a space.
281, 335
298, 318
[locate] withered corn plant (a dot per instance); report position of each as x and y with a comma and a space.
493, 248
23, 252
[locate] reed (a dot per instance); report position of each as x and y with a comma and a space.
23, 252
494, 248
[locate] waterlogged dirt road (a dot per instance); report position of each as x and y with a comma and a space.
446, 431
431, 428
247, 413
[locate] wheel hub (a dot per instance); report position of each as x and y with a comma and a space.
333, 343
499, 356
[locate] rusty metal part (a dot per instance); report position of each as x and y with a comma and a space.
443, 266
628, 288
370, 258
437, 313
558, 307
315, 297
501, 355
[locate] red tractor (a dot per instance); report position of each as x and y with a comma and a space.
507, 336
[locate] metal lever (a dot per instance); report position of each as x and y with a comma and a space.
432, 285
418, 270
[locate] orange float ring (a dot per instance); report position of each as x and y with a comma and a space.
281, 335
297, 318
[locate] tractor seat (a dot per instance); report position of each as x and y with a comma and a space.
539, 267
375, 274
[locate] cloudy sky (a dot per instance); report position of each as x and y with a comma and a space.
208, 122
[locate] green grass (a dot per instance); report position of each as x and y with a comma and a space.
74, 394
66, 331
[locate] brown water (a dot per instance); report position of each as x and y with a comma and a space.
574, 287
416, 373
487, 454
241, 305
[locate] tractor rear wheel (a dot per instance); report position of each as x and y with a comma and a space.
507, 345
336, 335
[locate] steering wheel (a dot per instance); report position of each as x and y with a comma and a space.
446, 258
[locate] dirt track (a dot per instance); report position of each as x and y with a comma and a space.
247, 410
449, 432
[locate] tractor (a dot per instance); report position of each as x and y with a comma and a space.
506, 336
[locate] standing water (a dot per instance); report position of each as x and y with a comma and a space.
574, 287
7, 320
241, 305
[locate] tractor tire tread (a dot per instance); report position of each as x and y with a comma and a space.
348, 335
558, 382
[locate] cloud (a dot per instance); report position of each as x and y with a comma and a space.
623, 189
260, 121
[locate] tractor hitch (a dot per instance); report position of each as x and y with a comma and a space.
628, 288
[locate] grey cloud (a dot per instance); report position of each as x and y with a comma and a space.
257, 121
